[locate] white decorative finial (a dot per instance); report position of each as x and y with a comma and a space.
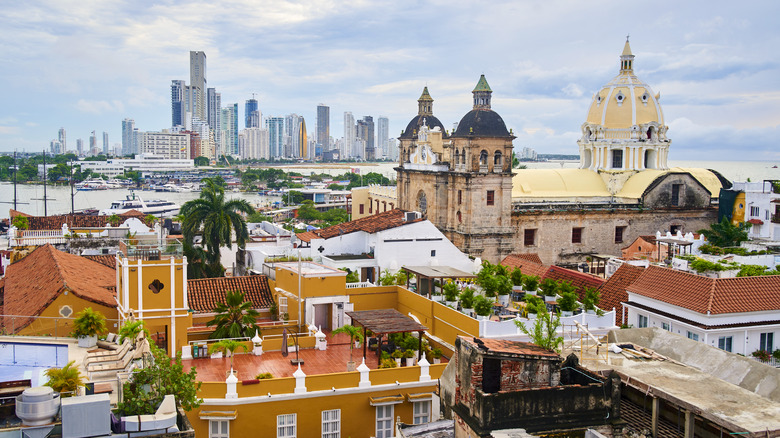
627, 35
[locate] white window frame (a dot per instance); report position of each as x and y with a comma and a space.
282, 306
219, 423
666, 326
755, 211
642, 321
421, 412
767, 340
726, 343
385, 432
693, 336
286, 425
331, 427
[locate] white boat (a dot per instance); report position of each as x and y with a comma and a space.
93, 184
155, 207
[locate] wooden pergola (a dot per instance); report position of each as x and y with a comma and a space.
427, 276
384, 322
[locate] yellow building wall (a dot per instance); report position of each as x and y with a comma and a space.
49, 326
359, 197
370, 298
311, 286
738, 213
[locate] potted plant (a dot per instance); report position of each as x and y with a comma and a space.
66, 380
482, 307
533, 304
264, 376
532, 284
397, 355
87, 325
517, 279
355, 337
228, 346
567, 302
467, 301
389, 363
549, 289
451, 293
273, 309
409, 356
130, 330
436, 354
503, 289
591, 301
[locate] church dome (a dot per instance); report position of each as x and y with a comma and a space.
625, 101
481, 123
413, 128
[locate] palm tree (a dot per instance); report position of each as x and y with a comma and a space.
229, 347
354, 335
216, 219
235, 318
67, 379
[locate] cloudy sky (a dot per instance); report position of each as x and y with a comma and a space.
87, 64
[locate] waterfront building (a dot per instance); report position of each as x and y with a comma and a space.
214, 114
365, 133
198, 85
80, 147
128, 137
229, 135
251, 114
275, 127
93, 147
62, 138
323, 129
178, 103
254, 143
349, 136
170, 145
105, 143
382, 136
294, 133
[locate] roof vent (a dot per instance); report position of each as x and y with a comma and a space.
410, 216
37, 406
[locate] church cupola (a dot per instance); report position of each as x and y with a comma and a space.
482, 94
425, 104
626, 59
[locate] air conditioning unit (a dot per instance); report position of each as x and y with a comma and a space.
412, 215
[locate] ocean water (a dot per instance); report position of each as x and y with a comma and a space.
30, 197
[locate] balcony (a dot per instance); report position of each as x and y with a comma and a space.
151, 249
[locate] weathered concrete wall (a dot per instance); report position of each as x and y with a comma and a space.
749, 374
692, 194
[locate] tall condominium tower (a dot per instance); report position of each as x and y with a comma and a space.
365, 132
80, 147
93, 149
63, 140
251, 114
293, 123
214, 113
303, 141
275, 126
128, 143
178, 103
230, 129
382, 136
198, 85
323, 128
105, 143
349, 136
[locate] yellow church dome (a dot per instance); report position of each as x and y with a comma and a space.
625, 101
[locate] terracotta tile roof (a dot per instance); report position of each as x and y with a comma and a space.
613, 291
526, 266
503, 346
713, 295
579, 280
204, 294
369, 224
106, 260
32, 283
512, 259
73, 220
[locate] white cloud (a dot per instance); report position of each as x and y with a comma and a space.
5, 130
99, 106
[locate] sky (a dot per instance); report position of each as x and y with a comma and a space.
85, 65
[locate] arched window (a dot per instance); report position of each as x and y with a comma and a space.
460, 219
422, 202
483, 157
497, 159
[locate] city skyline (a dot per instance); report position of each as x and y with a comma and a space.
98, 64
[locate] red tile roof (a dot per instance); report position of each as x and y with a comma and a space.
369, 224
106, 260
613, 291
73, 220
34, 282
579, 280
204, 294
512, 259
527, 267
713, 295
503, 346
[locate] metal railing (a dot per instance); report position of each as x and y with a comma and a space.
57, 327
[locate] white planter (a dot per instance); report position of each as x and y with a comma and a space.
452, 304
410, 361
87, 341
436, 360
504, 300
549, 298
397, 361
517, 288
482, 318
437, 298
567, 313
468, 311
590, 312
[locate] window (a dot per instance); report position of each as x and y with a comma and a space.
433, 253
460, 197
384, 421
422, 412
460, 218
483, 158
642, 321
490, 197
767, 342
666, 326
370, 206
497, 160
619, 234
285, 426
755, 211
422, 202
361, 207
675, 228
219, 429
529, 237
331, 424
617, 159
692, 335
576, 235
724, 343
676, 188
282, 305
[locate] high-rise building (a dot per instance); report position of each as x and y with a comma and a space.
230, 129
251, 114
198, 85
323, 128
365, 132
382, 135
178, 103
93, 149
215, 114
349, 136
128, 142
293, 123
275, 126
55, 147
105, 143
168, 144
303, 141
255, 144
80, 147
63, 140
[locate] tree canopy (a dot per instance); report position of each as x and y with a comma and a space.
725, 234
235, 318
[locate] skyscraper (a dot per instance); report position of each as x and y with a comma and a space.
382, 135
349, 136
93, 149
275, 126
230, 129
63, 140
80, 147
128, 143
323, 128
251, 114
303, 141
178, 103
365, 132
105, 143
198, 85
215, 114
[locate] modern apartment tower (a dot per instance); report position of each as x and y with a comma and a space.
178, 103
128, 141
62, 138
382, 136
251, 114
214, 100
349, 136
105, 143
198, 84
229, 129
365, 133
323, 129
275, 126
